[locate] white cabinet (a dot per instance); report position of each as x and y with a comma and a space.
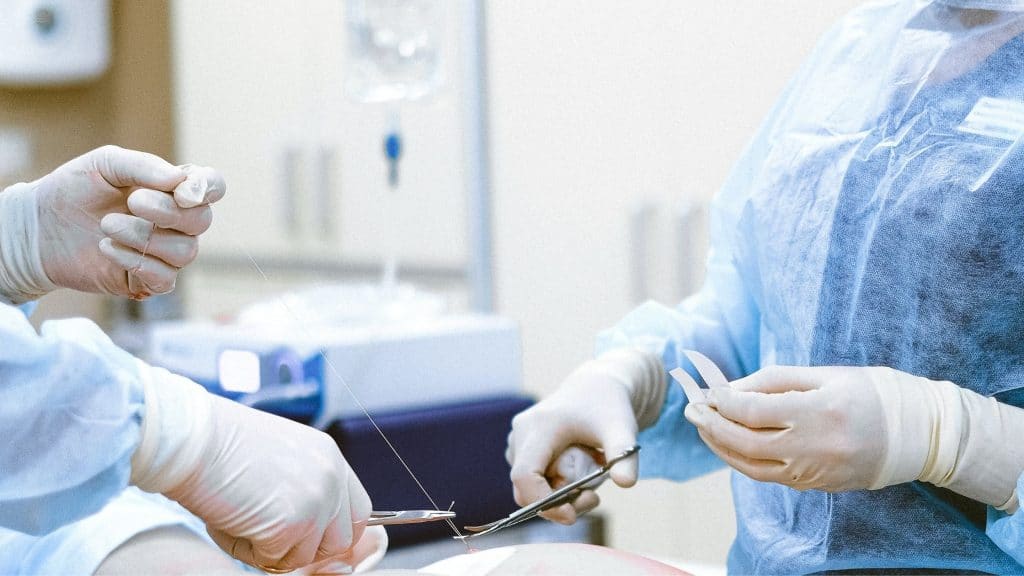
260, 95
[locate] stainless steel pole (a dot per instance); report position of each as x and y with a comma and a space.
480, 267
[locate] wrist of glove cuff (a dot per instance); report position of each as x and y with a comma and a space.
951, 437
923, 426
989, 458
644, 378
175, 427
22, 277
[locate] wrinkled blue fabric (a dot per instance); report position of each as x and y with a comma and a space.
80, 547
70, 411
869, 222
1007, 529
1009, 5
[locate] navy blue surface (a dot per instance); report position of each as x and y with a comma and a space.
456, 450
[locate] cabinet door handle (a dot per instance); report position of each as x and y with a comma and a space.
640, 219
323, 193
289, 190
687, 217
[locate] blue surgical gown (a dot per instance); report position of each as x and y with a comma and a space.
70, 410
877, 218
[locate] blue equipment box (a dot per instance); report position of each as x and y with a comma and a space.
456, 450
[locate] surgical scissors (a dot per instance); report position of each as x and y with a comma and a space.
564, 494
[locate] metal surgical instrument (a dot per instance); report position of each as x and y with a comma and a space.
566, 493
389, 518
378, 518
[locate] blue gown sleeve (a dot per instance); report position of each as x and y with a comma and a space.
722, 320
70, 411
719, 321
1007, 530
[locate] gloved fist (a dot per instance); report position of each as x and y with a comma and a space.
112, 221
600, 407
838, 428
273, 493
362, 557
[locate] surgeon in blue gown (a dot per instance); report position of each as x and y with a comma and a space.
865, 296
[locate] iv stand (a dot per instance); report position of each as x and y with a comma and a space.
480, 267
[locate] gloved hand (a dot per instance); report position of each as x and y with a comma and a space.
829, 433
111, 221
851, 428
273, 493
600, 406
361, 558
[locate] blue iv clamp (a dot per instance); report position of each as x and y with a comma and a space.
393, 152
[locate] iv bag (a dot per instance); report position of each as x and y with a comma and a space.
395, 49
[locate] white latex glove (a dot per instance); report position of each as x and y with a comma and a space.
361, 558
273, 493
851, 428
111, 221
600, 406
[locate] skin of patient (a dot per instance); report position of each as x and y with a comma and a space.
175, 551
544, 559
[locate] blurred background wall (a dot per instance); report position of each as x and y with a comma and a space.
131, 105
611, 125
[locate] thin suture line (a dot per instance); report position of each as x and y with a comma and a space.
337, 374
133, 273
359, 403
149, 239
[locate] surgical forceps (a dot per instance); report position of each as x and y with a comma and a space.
380, 518
390, 518
566, 493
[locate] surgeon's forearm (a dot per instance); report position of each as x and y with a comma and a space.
21, 271
989, 456
643, 376
951, 437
